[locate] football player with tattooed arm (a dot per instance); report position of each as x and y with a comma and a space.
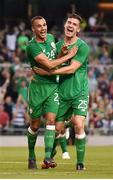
73, 86
43, 90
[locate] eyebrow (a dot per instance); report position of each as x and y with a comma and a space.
72, 22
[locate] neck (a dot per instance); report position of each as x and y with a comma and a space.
40, 39
69, 40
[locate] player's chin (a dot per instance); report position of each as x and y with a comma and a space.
43, 36
69, 34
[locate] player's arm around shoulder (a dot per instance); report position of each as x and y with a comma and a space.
41, 71
74, 65
80, 57
43, 59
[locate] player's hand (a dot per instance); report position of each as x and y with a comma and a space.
72, 52
40, 71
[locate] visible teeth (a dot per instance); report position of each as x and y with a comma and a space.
69, 30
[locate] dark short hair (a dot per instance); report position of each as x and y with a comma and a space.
76, 16
35, 18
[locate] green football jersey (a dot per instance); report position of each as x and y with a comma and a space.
74, 85
35, 48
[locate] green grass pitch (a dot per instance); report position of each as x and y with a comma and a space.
98, 161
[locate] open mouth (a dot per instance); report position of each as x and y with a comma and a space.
69, 30
43, 33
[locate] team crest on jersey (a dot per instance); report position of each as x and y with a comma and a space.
44, 50
30, 110
53, 45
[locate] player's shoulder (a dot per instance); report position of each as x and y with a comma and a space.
60, 43
50, 36
31, 42
51, 40
83, 43
31, 45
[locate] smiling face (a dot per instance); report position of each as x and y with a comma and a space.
72, 27
39, 28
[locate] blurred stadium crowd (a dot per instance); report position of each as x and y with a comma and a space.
15, 76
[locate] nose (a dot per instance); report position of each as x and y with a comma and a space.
43, 28
70, 25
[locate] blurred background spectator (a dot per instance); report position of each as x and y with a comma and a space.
4, 118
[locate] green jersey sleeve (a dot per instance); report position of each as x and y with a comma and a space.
82, 53
35, 50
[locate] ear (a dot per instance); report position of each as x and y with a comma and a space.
33, 30
64, 24
78, 30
